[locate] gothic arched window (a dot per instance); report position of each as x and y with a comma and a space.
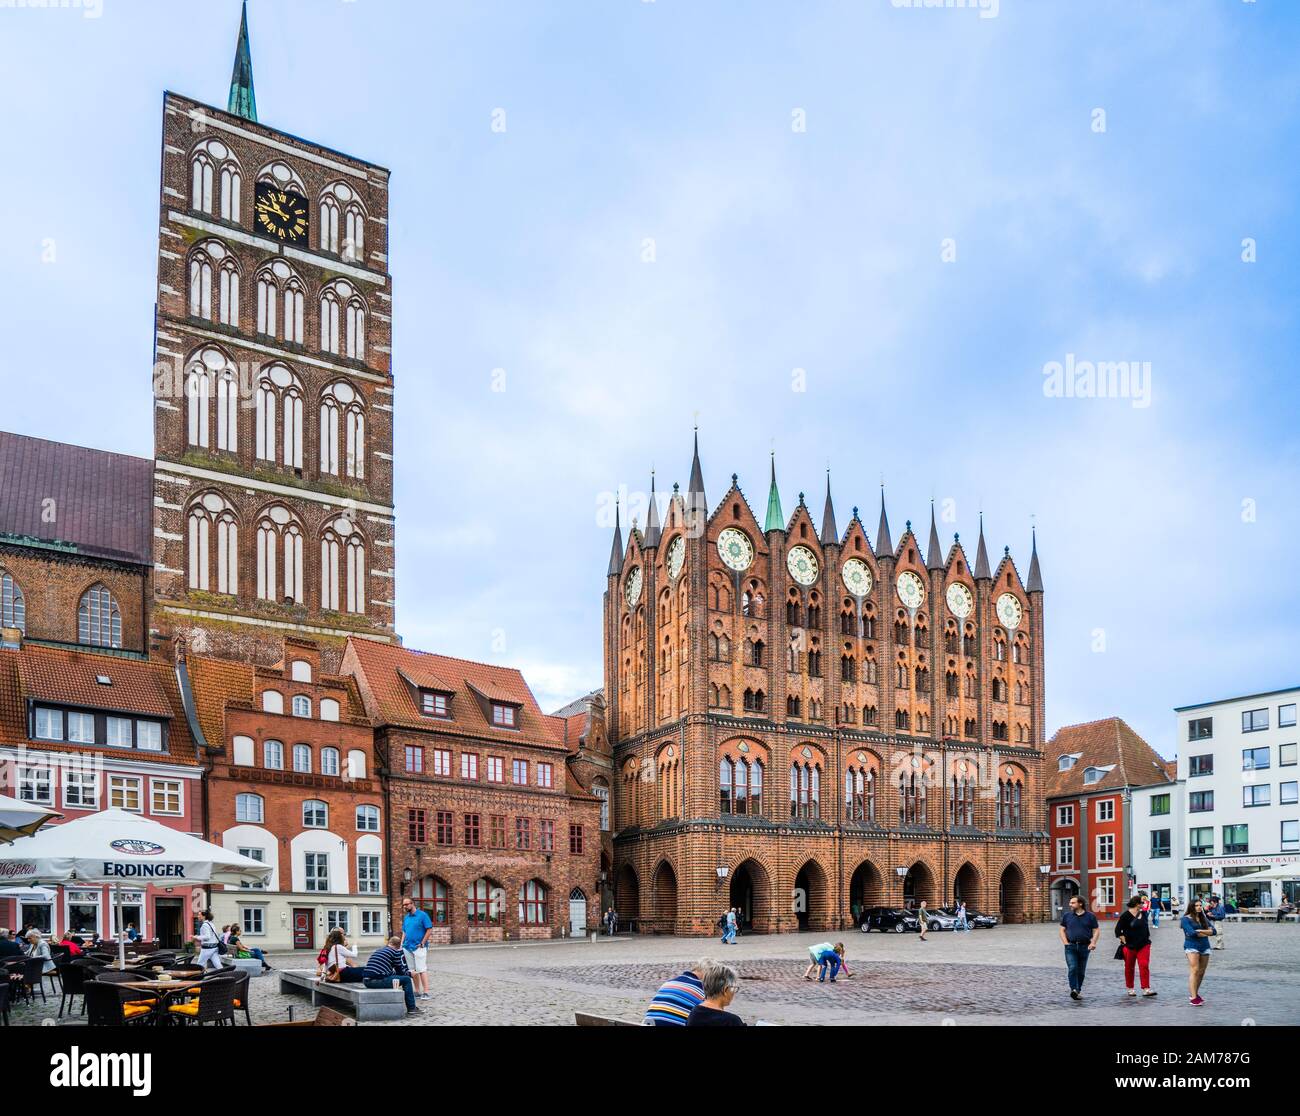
279, 556
279, 389
99, 620
13, 606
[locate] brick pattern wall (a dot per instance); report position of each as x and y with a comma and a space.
458, 865
236, 480
52, 584
671, 839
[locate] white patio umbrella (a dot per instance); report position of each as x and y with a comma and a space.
21, 819
124, 849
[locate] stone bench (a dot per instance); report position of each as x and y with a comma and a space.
250, 965
368, 1004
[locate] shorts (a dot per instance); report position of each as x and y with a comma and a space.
1193, 949
417, 960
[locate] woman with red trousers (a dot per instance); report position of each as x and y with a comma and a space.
1134, 931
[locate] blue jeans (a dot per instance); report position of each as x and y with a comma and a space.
729, 934
833, 962
387, 982
1076, 964
1155, 914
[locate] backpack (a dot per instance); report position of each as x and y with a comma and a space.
722, 922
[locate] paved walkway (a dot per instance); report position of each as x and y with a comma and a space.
1012, 974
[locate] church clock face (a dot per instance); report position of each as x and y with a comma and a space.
960, 601
803, 565
857, 577
632, 587
281, 213
1010, 611
911, 590
676, 556
735, 549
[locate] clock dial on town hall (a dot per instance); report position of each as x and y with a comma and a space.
803, 566
632, 587
676, 556
1009, 610
857, 577
281, 213
735, 549
911, 590
960, 600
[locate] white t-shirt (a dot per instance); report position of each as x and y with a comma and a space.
338, 953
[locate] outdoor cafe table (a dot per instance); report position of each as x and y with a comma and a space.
169, 990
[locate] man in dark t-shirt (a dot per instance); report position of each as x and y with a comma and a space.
1079, 933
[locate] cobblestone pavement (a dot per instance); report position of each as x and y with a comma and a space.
1012, 974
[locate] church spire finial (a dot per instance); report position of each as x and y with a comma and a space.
829, 533
775, 520
243, 101
616, 551
884, 545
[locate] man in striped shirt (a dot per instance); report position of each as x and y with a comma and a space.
676, 999
386, 965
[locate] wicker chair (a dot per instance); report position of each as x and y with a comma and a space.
114, 1005
33, 971
215, 1003
72, 982
241, 996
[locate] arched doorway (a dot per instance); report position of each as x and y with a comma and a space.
627, 895
1062, 892
866, 890
918, 884
665, 899
577, 913
1011, 894
749, 894
966, 886
810, 900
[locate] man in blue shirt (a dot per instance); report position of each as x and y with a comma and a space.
1079, 933
417, 926
386, 965
1217, 912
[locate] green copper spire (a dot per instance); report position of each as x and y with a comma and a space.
243, 101
775, 520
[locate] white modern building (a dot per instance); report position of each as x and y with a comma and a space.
1238, 766
1157, 841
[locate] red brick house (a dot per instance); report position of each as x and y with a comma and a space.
291, 782
84, 731
1089, 810
488, 829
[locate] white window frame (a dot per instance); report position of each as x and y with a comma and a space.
75, 777
258, 854
373, 917
1105, 861
36, 777
1065, 815
259, 914
311, 878
1061, 844
329, 757
301, 705
1107, 814
250, 797
123, 783
364, 878
365, 809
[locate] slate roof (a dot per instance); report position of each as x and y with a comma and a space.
92, 501
1106, 743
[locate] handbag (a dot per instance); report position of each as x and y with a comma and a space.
1119, 952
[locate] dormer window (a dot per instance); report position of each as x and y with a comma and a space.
504, 716
434, 704
1092, 775
1067, 761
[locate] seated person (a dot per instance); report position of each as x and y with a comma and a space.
10, 950
720, 984
339, 958
387, 965
39, 947
238, 949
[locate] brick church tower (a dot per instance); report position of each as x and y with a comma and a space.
273, 387
807, 724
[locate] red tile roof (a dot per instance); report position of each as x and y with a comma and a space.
384, 668
67, 677
1106, 743
102, 503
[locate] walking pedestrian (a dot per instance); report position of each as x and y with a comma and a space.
209, 943
720, 985
1156, 905
417, 929
923, 917
611, 922
1217, 913
963, 923
1197, 932
1134, 932
1079, 933
729, 932
677, 998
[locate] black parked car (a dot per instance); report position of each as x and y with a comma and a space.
888, 918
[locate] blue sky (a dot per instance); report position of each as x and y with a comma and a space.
774, 249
